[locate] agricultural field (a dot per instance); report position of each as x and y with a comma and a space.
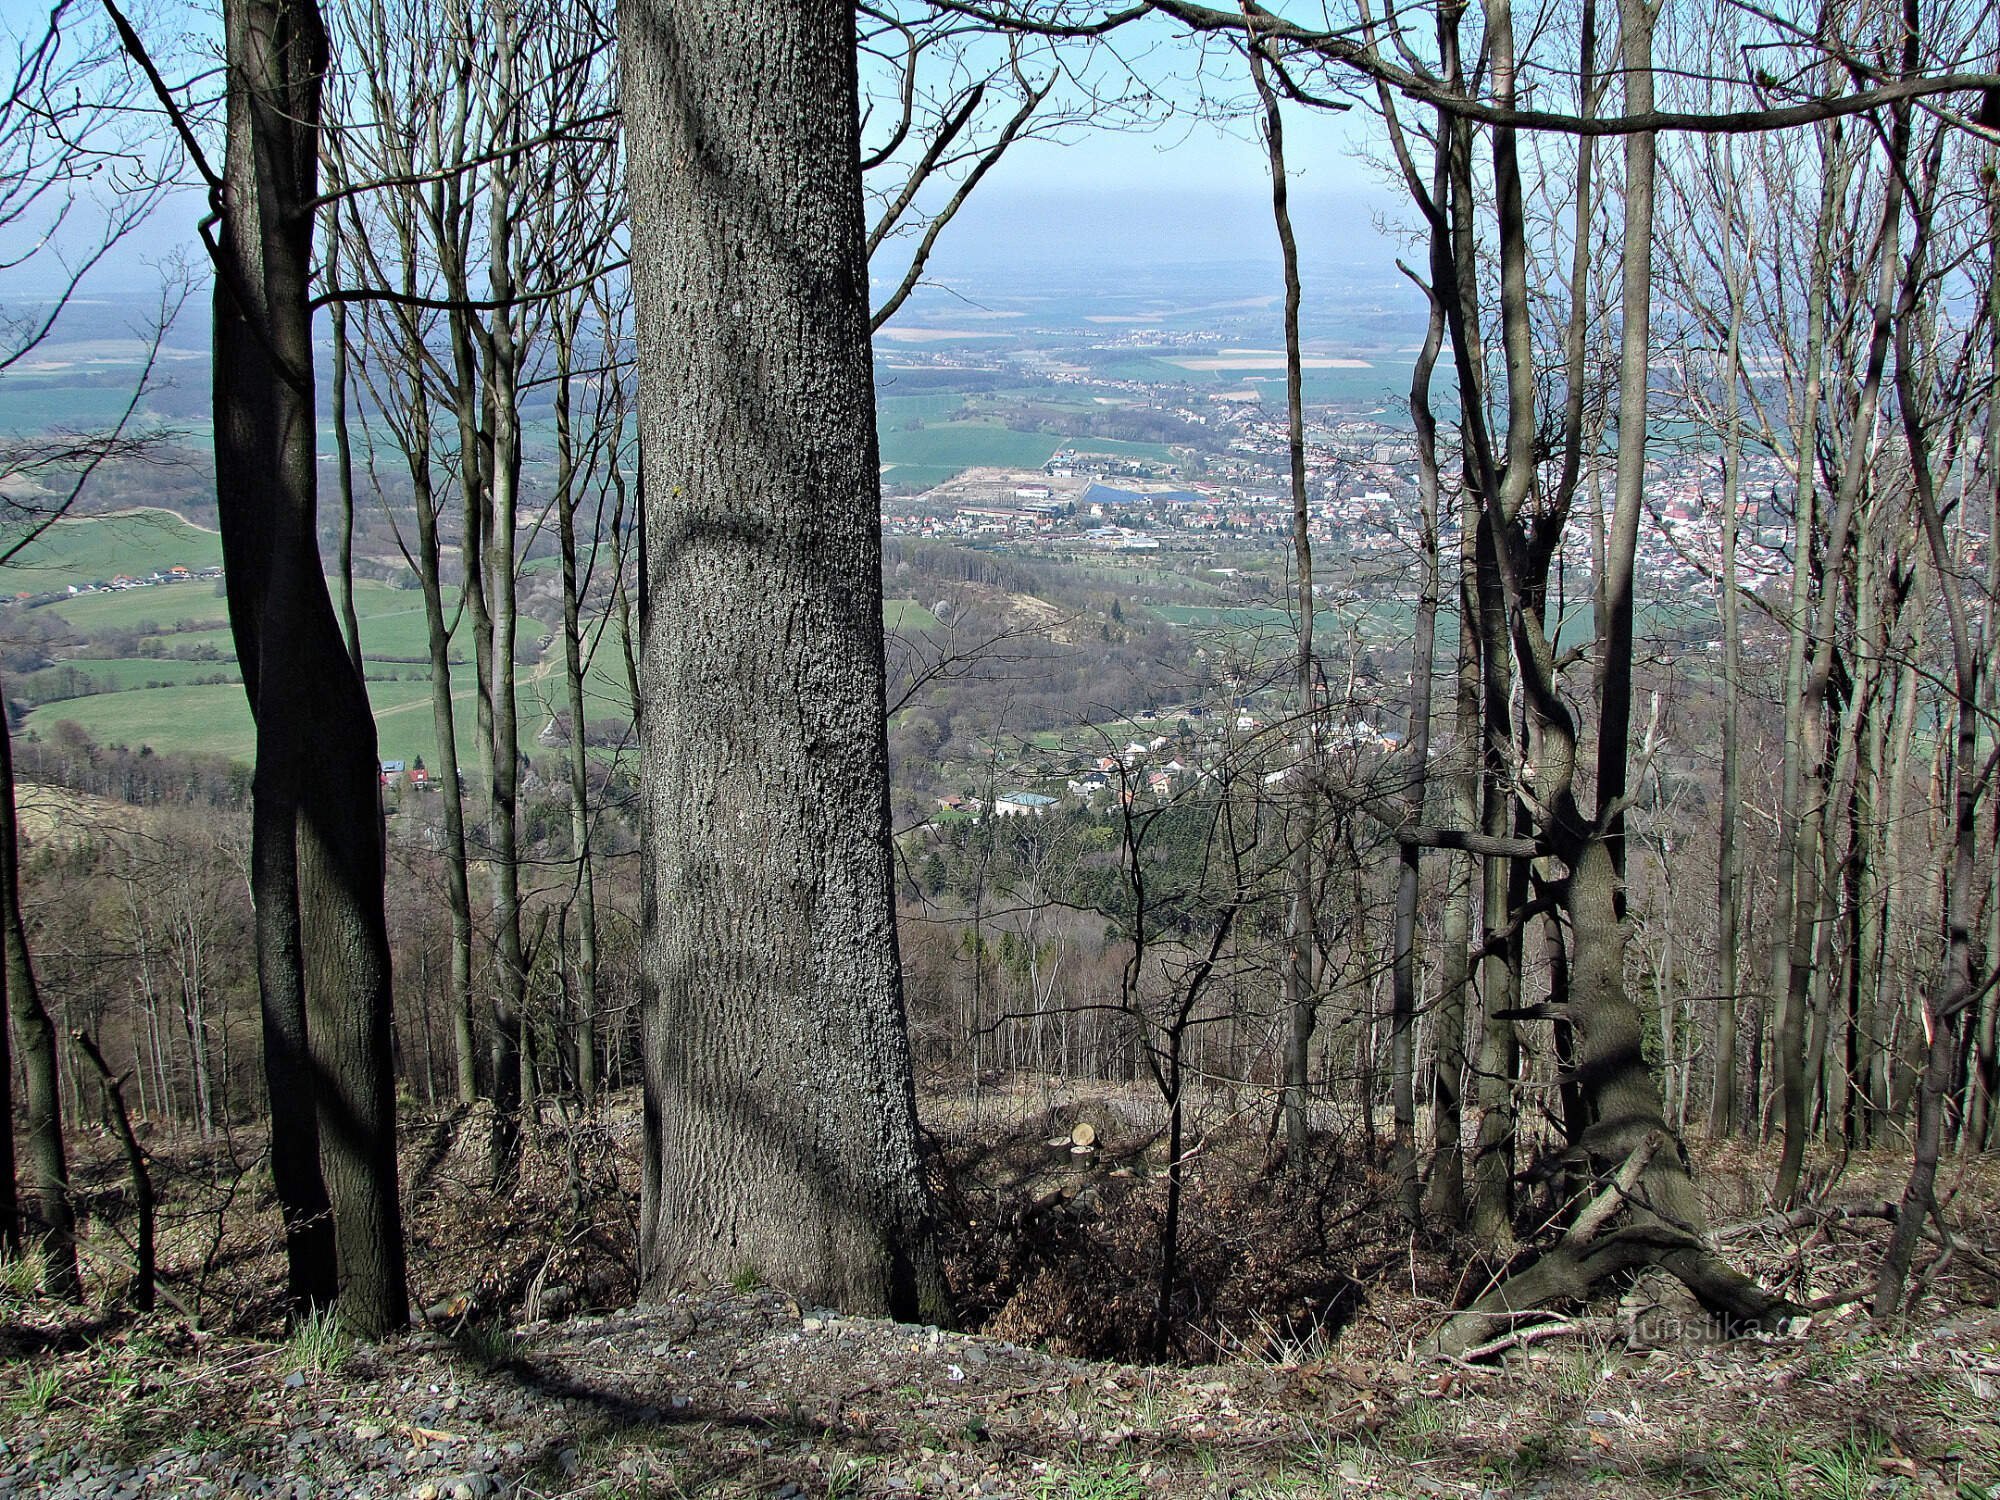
216, 720
1387, 620
895, 411
115, 674
169, 608
1120, 448
174, 705
930, 455
176, 719
96, 548
25, 406
922, 457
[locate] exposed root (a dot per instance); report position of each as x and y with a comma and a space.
1648, 1185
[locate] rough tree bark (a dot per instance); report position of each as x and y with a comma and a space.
780, 1114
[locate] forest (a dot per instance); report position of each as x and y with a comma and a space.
1550, 975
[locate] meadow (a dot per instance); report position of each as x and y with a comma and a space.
949, 447
83, 550
172, 703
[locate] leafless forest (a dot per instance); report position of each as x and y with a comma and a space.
1609, 949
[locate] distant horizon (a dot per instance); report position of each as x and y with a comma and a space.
1005, 227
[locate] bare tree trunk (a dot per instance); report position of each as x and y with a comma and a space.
317, 860
1958, 986
500, 750
1795, 1081
1446, 1202
35, 1036
343, 466
1445, 1199
1301, 1002
1499, 1053
1728, 863
144, 1261
579, 761
1417, 747
1886, 995
1982, 1125
451, 789
780, 1112
1788, 1030
1635, 262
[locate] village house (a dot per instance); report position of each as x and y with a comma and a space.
1022, 805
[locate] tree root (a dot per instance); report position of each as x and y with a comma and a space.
1647, 1186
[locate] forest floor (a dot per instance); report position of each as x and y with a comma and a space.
530, 1380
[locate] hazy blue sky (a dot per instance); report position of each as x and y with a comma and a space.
1066, 206
1169, 196
1186, 192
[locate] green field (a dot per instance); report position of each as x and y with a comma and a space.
94, 549
211, 718
965, 445
392, 619
167, 607
896, 411
938, 450
907, 615
393, 624
1119, 448
139, 699
216, 719
921, 476
118, 674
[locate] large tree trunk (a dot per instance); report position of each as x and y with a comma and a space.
780, 1113
317, 857
10, 1198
